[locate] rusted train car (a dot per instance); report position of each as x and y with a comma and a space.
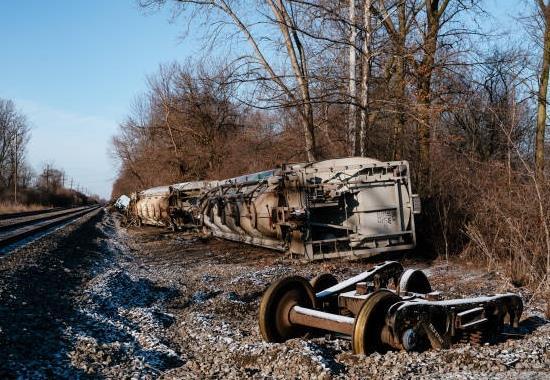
349, 207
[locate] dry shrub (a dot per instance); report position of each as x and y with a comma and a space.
493, 213
510, 226
9, 207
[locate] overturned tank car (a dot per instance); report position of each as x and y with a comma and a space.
408, 317
122, 203
184, 203
175, 206
150, 206
350, 207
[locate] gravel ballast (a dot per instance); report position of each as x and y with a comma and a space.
99, 300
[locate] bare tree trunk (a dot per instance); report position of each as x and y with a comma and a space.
366, 58
424, 123
299, 66
424, 72
400, 83
352, 115
398, 35
543, 91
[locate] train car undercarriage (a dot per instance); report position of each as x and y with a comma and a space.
353, 207
409, 317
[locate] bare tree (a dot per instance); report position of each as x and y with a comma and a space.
352, 112
188, 127
298, 59
295, 88
489, 113
398, 19
436, 25
424, 68
14, 136
544, 16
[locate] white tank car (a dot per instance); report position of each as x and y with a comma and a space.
150, 206
175, 206
350, 207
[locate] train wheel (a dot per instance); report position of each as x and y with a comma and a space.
277, 301
323, 281
370, 321
414, 281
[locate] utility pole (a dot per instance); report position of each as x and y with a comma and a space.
15, 172
47, 177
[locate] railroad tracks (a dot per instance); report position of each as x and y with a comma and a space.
14, 215
21, 226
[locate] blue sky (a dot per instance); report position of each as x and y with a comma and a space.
75, 66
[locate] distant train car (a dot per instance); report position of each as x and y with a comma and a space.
349, 207
122, 203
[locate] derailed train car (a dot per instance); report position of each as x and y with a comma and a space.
350, 207
175, 206
150, 206
184, 202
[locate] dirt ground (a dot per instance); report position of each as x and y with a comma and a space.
96, 300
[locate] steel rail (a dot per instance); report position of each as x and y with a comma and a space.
20, 222
13, 215
40, 225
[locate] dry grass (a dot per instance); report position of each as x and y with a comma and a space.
9, 207
510, 230
497, 216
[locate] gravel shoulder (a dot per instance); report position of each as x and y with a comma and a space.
220, 285
96, 300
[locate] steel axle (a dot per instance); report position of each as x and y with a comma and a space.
321, 320
410, 317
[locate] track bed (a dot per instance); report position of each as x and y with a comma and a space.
109, 302
216, 318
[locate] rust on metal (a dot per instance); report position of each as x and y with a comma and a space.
379, 318
351, 207
361, 288
321, 320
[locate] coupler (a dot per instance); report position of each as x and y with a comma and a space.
384, 308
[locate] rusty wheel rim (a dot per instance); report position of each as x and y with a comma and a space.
279, 298
370, 321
